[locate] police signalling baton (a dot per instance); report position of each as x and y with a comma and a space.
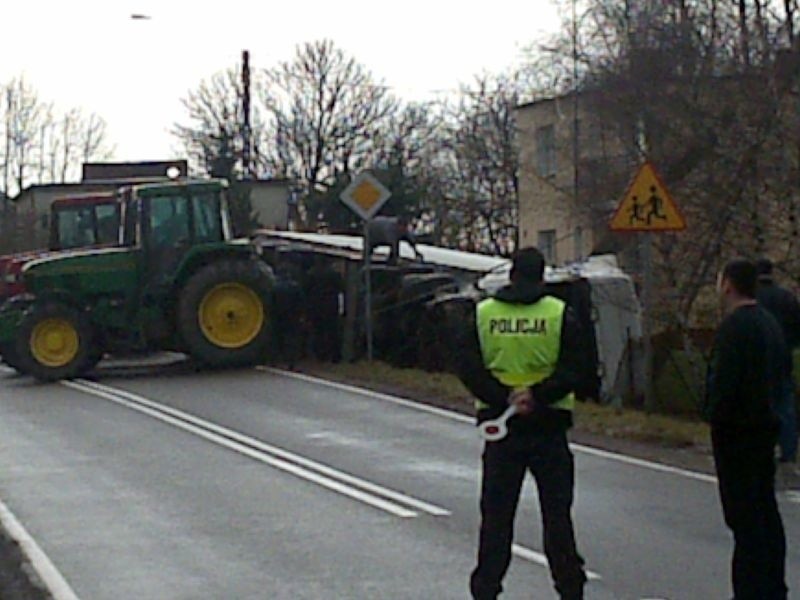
496, 429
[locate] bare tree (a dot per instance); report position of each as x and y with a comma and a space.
214, 138
324, 112
704, 81
481, 166
24, 115
38, 145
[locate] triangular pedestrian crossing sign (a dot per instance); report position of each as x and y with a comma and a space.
647, 205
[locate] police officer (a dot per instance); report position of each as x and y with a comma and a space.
525, 351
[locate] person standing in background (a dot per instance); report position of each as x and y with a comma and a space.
750, 362
783, 305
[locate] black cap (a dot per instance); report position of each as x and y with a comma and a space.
528, 264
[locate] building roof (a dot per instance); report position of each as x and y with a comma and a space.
110, 171
67, 188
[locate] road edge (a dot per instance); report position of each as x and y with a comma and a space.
47, 577
647, 462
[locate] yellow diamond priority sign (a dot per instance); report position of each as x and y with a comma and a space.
365, 195
647, 205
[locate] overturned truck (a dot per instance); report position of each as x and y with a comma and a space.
419, 301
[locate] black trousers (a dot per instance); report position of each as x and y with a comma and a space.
746, 473
550, 461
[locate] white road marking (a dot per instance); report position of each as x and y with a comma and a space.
324, 475
792, 496
48, 573
434, 410
520, 551
455, 416
540, 559
640, 462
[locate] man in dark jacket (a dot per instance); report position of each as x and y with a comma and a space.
783, 305
525, 350
750, 362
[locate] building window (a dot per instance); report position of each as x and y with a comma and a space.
578, 239
547, 245
546, 151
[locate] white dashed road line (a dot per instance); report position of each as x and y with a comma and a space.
366, 492
540, 559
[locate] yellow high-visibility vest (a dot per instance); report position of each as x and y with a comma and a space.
520, 343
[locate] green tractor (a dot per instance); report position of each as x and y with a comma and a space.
177, 281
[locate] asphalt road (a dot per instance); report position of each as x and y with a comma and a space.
157, 483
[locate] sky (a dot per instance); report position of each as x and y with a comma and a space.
133, 73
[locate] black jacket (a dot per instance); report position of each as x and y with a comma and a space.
484, 386
749, 364
784, 307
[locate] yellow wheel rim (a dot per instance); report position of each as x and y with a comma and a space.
231, 315
54, 342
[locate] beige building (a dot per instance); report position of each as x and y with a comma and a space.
562, 210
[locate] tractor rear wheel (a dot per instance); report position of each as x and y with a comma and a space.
54, 342
224, 313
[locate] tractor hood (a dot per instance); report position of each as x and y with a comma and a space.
77, 272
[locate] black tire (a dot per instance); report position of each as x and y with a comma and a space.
253, 275
94, 358
27, 358
9, 356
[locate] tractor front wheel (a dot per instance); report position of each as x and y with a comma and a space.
54, 342
223, 313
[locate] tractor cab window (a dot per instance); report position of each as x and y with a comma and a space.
75, 228
107, 216
129, 234
207, 218
169, 220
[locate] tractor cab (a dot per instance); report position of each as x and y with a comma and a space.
76, 222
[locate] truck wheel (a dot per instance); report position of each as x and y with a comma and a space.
223, 313
54, 342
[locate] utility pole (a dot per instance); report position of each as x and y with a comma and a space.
246, 129
575, 121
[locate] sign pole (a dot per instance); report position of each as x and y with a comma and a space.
365, 196
647, 208
646, 248
368, 290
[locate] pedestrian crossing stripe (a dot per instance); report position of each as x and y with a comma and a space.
647, 205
